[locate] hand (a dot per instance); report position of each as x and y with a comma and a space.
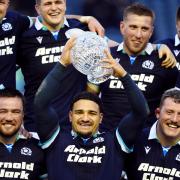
118, 70
170, 60
94, 25
65, 59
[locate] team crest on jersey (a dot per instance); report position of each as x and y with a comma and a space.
6, 26
148, 64
26, 151
98, 139
176, 52
178, 157
147, 149
39, 39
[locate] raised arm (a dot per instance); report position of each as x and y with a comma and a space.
46, 118
93, 24
131, 124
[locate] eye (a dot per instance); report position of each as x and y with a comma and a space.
2, 111
145, 29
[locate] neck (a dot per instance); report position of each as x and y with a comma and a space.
53, 28
8, 140
164, 140
125, 48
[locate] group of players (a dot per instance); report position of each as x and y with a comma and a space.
81, 135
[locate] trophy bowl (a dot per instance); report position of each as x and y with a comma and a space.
86, 56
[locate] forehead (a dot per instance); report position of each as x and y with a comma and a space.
45, 1
10, 102
4, 1
137, 19
170, 104
86, 105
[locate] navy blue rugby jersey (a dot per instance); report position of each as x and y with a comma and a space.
39, 52
24, 161
174, 46
151, 78
11, 28
148, 161
68, 156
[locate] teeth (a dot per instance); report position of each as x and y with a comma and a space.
8, 125
172, 126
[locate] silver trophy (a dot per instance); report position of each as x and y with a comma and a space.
87, 55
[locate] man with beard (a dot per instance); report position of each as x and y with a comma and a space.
20, 158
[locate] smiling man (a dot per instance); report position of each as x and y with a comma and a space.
21, 158
85, 153
40, 49
157, 150
137, 56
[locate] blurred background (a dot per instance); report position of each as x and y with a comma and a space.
109, 13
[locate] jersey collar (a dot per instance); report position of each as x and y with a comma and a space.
153, 133
149, 48
39, 25
177, 40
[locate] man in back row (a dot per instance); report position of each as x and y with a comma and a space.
174, 44
40, 49
139, 59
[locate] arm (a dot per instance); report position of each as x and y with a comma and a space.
46, 118
131, 124
93, 24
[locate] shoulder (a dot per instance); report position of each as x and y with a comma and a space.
74, 23
13, 15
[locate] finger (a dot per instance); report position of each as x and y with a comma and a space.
70, 43
100, 32
160, 55
108, 54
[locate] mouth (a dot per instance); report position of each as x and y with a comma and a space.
55, 14
174, 126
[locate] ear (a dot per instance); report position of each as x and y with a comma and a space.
70, 116
122, 27
157, 112
101, 117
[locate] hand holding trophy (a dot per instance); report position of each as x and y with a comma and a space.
87, 55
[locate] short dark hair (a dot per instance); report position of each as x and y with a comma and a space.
173, 93
138, 9
87, 96
10, 92
39, 1
178, 14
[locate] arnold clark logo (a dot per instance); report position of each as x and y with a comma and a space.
81, 155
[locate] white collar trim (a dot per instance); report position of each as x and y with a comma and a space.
149, 48
177, 40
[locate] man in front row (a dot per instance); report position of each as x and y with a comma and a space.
85, 153
20, 158
156, 152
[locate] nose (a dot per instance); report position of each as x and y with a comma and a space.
175, 117
9, 116
53, 6
85, 117
139, 33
